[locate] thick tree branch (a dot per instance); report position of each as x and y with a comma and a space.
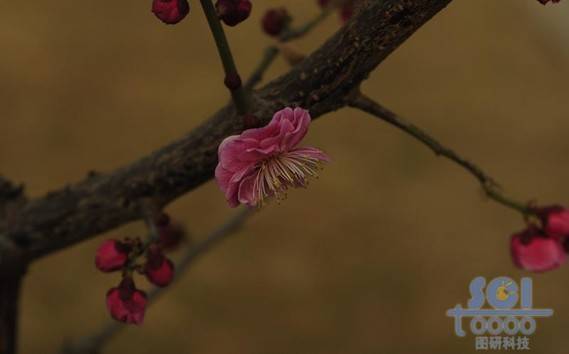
320, 84
487, 183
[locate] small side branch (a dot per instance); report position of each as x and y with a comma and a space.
93, 344
290, 34
487, 183
232, 78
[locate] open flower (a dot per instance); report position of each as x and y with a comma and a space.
537, 252
264, 162
126, 303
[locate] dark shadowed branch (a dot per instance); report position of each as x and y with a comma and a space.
93, 344
488, 184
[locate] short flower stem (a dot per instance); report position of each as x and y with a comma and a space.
488, 185
232, 79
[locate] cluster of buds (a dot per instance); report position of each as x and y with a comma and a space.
544, 244
126, 303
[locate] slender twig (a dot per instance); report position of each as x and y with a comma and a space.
488, 184
294, 33
94, 343
271, 52
232, 78
266, 61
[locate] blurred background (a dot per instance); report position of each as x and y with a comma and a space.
369, 258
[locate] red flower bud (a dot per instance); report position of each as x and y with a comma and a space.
111, 255
536, 252
127, 304
233, 12
159, 270
170, 11
232, 81
275, 21
555, 220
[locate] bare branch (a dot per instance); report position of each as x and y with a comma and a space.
488, 184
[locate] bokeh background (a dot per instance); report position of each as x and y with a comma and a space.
368, 259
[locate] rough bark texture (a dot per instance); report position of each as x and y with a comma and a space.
321, 84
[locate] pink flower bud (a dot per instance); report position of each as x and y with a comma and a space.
127, 304
170, 11
111, 255
555, 220
233, 12
533, 251
275, 21
159, 270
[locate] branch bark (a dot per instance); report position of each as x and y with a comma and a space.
321, 84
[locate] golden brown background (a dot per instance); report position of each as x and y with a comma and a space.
369, 258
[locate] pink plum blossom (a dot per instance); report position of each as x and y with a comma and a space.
263, 163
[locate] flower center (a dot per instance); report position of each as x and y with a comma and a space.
280, 172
